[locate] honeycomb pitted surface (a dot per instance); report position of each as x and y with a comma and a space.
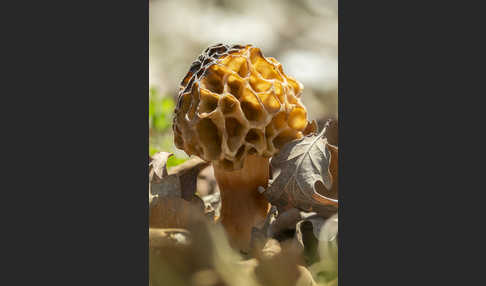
234, 102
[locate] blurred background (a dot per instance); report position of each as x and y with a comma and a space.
300, 34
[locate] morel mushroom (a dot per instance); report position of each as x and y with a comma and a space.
237, 108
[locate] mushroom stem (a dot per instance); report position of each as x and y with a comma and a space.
242, 206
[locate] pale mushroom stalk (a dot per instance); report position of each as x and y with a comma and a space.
242, 206
237, 108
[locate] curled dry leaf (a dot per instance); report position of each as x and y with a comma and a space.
173, 202
160, 183
285, 221
333, 168
307, 237
283, 267
332, 131
276, 226
159, 165
298, 171
181, 181
333, 192
187, 173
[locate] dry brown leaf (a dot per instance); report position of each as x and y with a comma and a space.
283, 268
298, 169
334, 168
181, 181
333, 191
286, 220
169, 186
159, 165
173, 212
187, 173
168, 257
173, 202
167, 251
159, 181
332, 132
175, 263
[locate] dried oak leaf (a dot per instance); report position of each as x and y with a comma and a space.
187, 173
298, 170
172, 198
181, 182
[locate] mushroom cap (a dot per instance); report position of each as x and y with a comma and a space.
234, 102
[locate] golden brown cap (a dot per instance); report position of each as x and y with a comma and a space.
234, 102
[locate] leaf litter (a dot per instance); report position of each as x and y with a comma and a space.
297, 244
